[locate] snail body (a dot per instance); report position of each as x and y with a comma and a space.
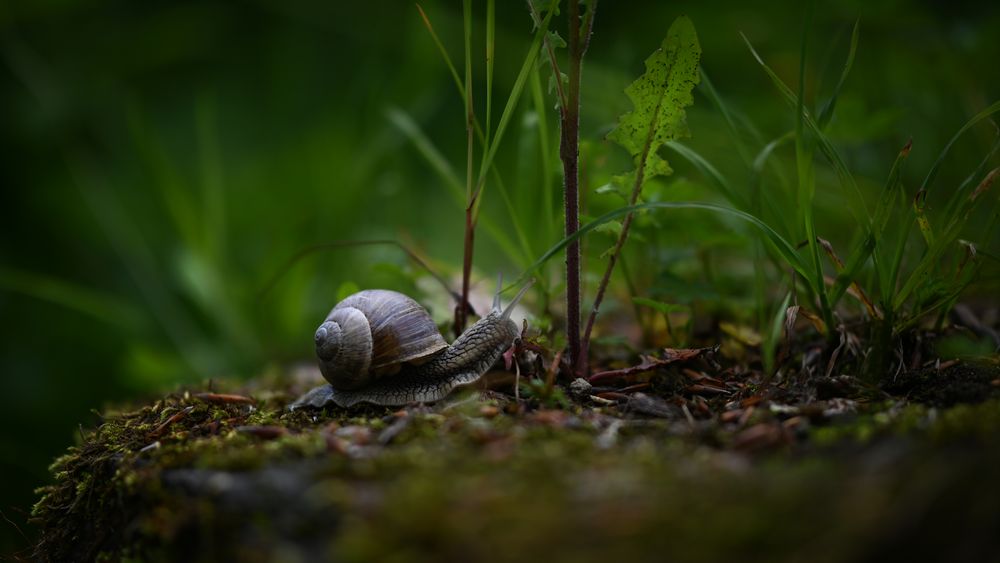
382, 347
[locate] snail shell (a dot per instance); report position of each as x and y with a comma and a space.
371, 334
382, 347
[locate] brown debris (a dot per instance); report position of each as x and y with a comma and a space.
699, 388
223, 398
650, 363
170, 421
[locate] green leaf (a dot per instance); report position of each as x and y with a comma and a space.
556, 40
659, 97
538, 6
553, 87
773, 335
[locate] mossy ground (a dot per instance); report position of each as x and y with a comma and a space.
827, 471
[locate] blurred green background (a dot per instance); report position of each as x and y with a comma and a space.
163, 160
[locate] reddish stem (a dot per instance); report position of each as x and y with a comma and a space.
569, 153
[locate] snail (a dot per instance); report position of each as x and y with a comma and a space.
382, 347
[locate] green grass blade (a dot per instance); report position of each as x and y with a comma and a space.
709, 171
490, 55
708, 89
782, 246
917, 276
955, 202
765, 153
846, 276
948, 237
939, 244
923, 222
807, 176
469, 110
898, 299
410, 128
932, 174
762, 201
773, 335
826, 113
891, 193
522, 237
549, 218
439, 164
426, 148
515, 92
442, 50
857, 207
883, 210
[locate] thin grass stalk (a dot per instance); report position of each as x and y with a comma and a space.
807, 180
487, 137
490, 52
548, 209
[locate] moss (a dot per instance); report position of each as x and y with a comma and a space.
190, 478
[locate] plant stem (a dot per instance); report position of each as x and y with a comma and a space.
461, 313
569, 153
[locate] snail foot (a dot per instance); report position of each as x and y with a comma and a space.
317, 398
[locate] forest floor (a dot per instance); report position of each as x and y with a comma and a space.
694, 460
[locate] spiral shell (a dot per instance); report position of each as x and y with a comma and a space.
371, 334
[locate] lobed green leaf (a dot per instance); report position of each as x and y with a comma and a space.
659, 97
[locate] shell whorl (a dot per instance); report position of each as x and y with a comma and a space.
344, 348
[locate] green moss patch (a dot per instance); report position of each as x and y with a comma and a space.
209, 476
